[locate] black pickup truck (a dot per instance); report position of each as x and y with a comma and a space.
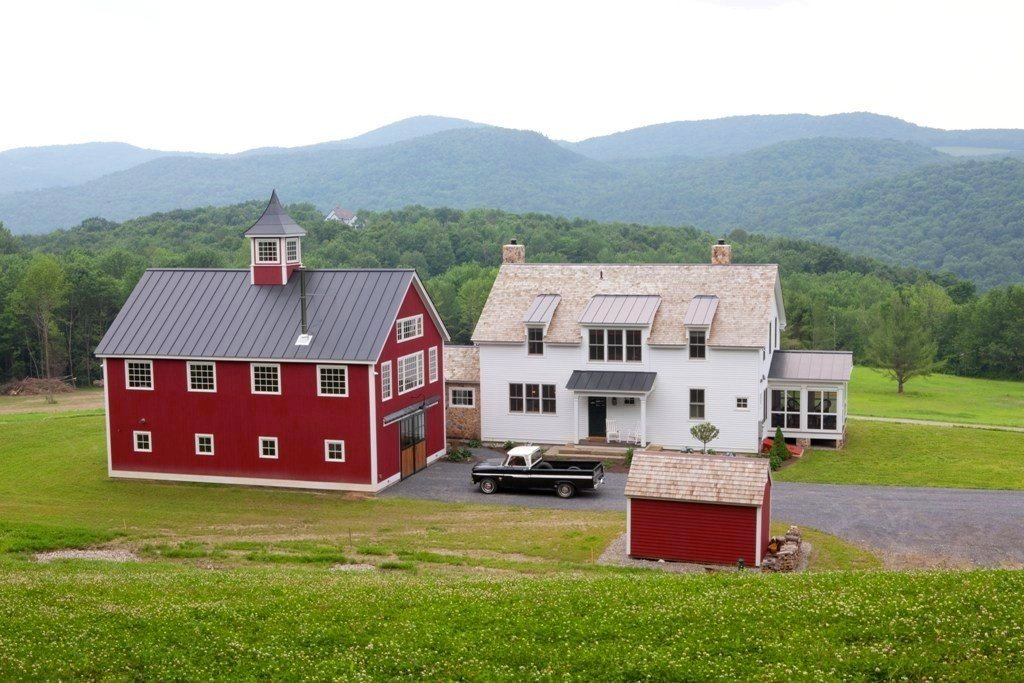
524, 468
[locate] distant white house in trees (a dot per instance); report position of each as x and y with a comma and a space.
342, 216
640, 353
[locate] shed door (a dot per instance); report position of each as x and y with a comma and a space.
692, 532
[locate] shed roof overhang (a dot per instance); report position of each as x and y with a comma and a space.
611, 382
391, 418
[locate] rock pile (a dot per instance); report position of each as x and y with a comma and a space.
783, 552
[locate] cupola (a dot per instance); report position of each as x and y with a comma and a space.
275, 248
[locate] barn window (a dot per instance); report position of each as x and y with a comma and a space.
698, 344
204, 444
697, 403
535, 341
786, 408
460, 397
742, 403
432, 363
292, 250
143, 442
410, 372
202, 377
266, 251
385, 380
332, 380
139, 374
821, 409
268, 447
266, 378
409, 328
334, 451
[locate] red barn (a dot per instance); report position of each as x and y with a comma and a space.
698, 508
275, 375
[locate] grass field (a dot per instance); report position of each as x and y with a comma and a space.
161, 621
915, 455
944, 398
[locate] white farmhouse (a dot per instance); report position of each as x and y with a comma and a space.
639, 354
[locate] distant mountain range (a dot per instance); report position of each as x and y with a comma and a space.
873, 184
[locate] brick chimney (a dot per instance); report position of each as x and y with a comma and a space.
721, 254
513, 252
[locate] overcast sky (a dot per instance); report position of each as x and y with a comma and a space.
226, 76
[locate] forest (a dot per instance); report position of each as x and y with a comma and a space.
59, 291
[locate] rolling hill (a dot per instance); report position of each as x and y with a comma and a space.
734, 134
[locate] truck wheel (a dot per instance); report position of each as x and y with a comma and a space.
565, 490
488, 486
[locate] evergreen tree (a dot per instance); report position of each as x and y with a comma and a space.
901, 344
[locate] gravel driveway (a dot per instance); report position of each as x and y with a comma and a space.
907, 527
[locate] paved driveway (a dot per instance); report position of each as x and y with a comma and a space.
908, 527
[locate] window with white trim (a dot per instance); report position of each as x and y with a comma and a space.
266, 378
266, 251
139, 374
532, 398
821, 409
615, 345
535, 341
143, 442
432, 363
292, 250
385, 380
334, 451
204, 444
332, 380
461, 397
697, 404
742, 403
698, 344
202, 377
268, 447
786, 408
410, 372
409, 328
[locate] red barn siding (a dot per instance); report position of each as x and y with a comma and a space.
388, 458
692, 532
297, 417
766, 517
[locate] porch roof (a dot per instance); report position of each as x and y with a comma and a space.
611, 381
409, 410
812, 366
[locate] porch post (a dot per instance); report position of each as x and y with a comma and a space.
643, 422
575, 418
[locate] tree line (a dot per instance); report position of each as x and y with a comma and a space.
60, 291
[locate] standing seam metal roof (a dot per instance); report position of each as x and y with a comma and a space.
218, 314
275, 222
823, 366
620, 309
610, 380
701, 311
542, 308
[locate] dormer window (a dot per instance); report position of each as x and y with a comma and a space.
615, 345
292, 250
698, 344
535, 341
266, 251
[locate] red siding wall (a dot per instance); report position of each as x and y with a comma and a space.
692, 532
298, 418
388, 451
766, 517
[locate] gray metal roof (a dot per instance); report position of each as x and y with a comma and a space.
219, 314
542, 308
822, 366
620, 309
611, 380
701, 311
391, 418
275, 222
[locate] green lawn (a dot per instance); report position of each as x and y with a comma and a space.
945, 398
162, 621
916, 455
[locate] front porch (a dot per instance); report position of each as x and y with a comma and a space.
610, 408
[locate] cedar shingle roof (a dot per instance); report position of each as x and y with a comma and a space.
745, 294
462, 364
698, 478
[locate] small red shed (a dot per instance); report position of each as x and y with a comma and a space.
698, 508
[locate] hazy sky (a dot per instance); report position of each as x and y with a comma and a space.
226, 76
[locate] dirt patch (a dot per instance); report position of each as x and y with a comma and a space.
353, 568
106, 555
80, 399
